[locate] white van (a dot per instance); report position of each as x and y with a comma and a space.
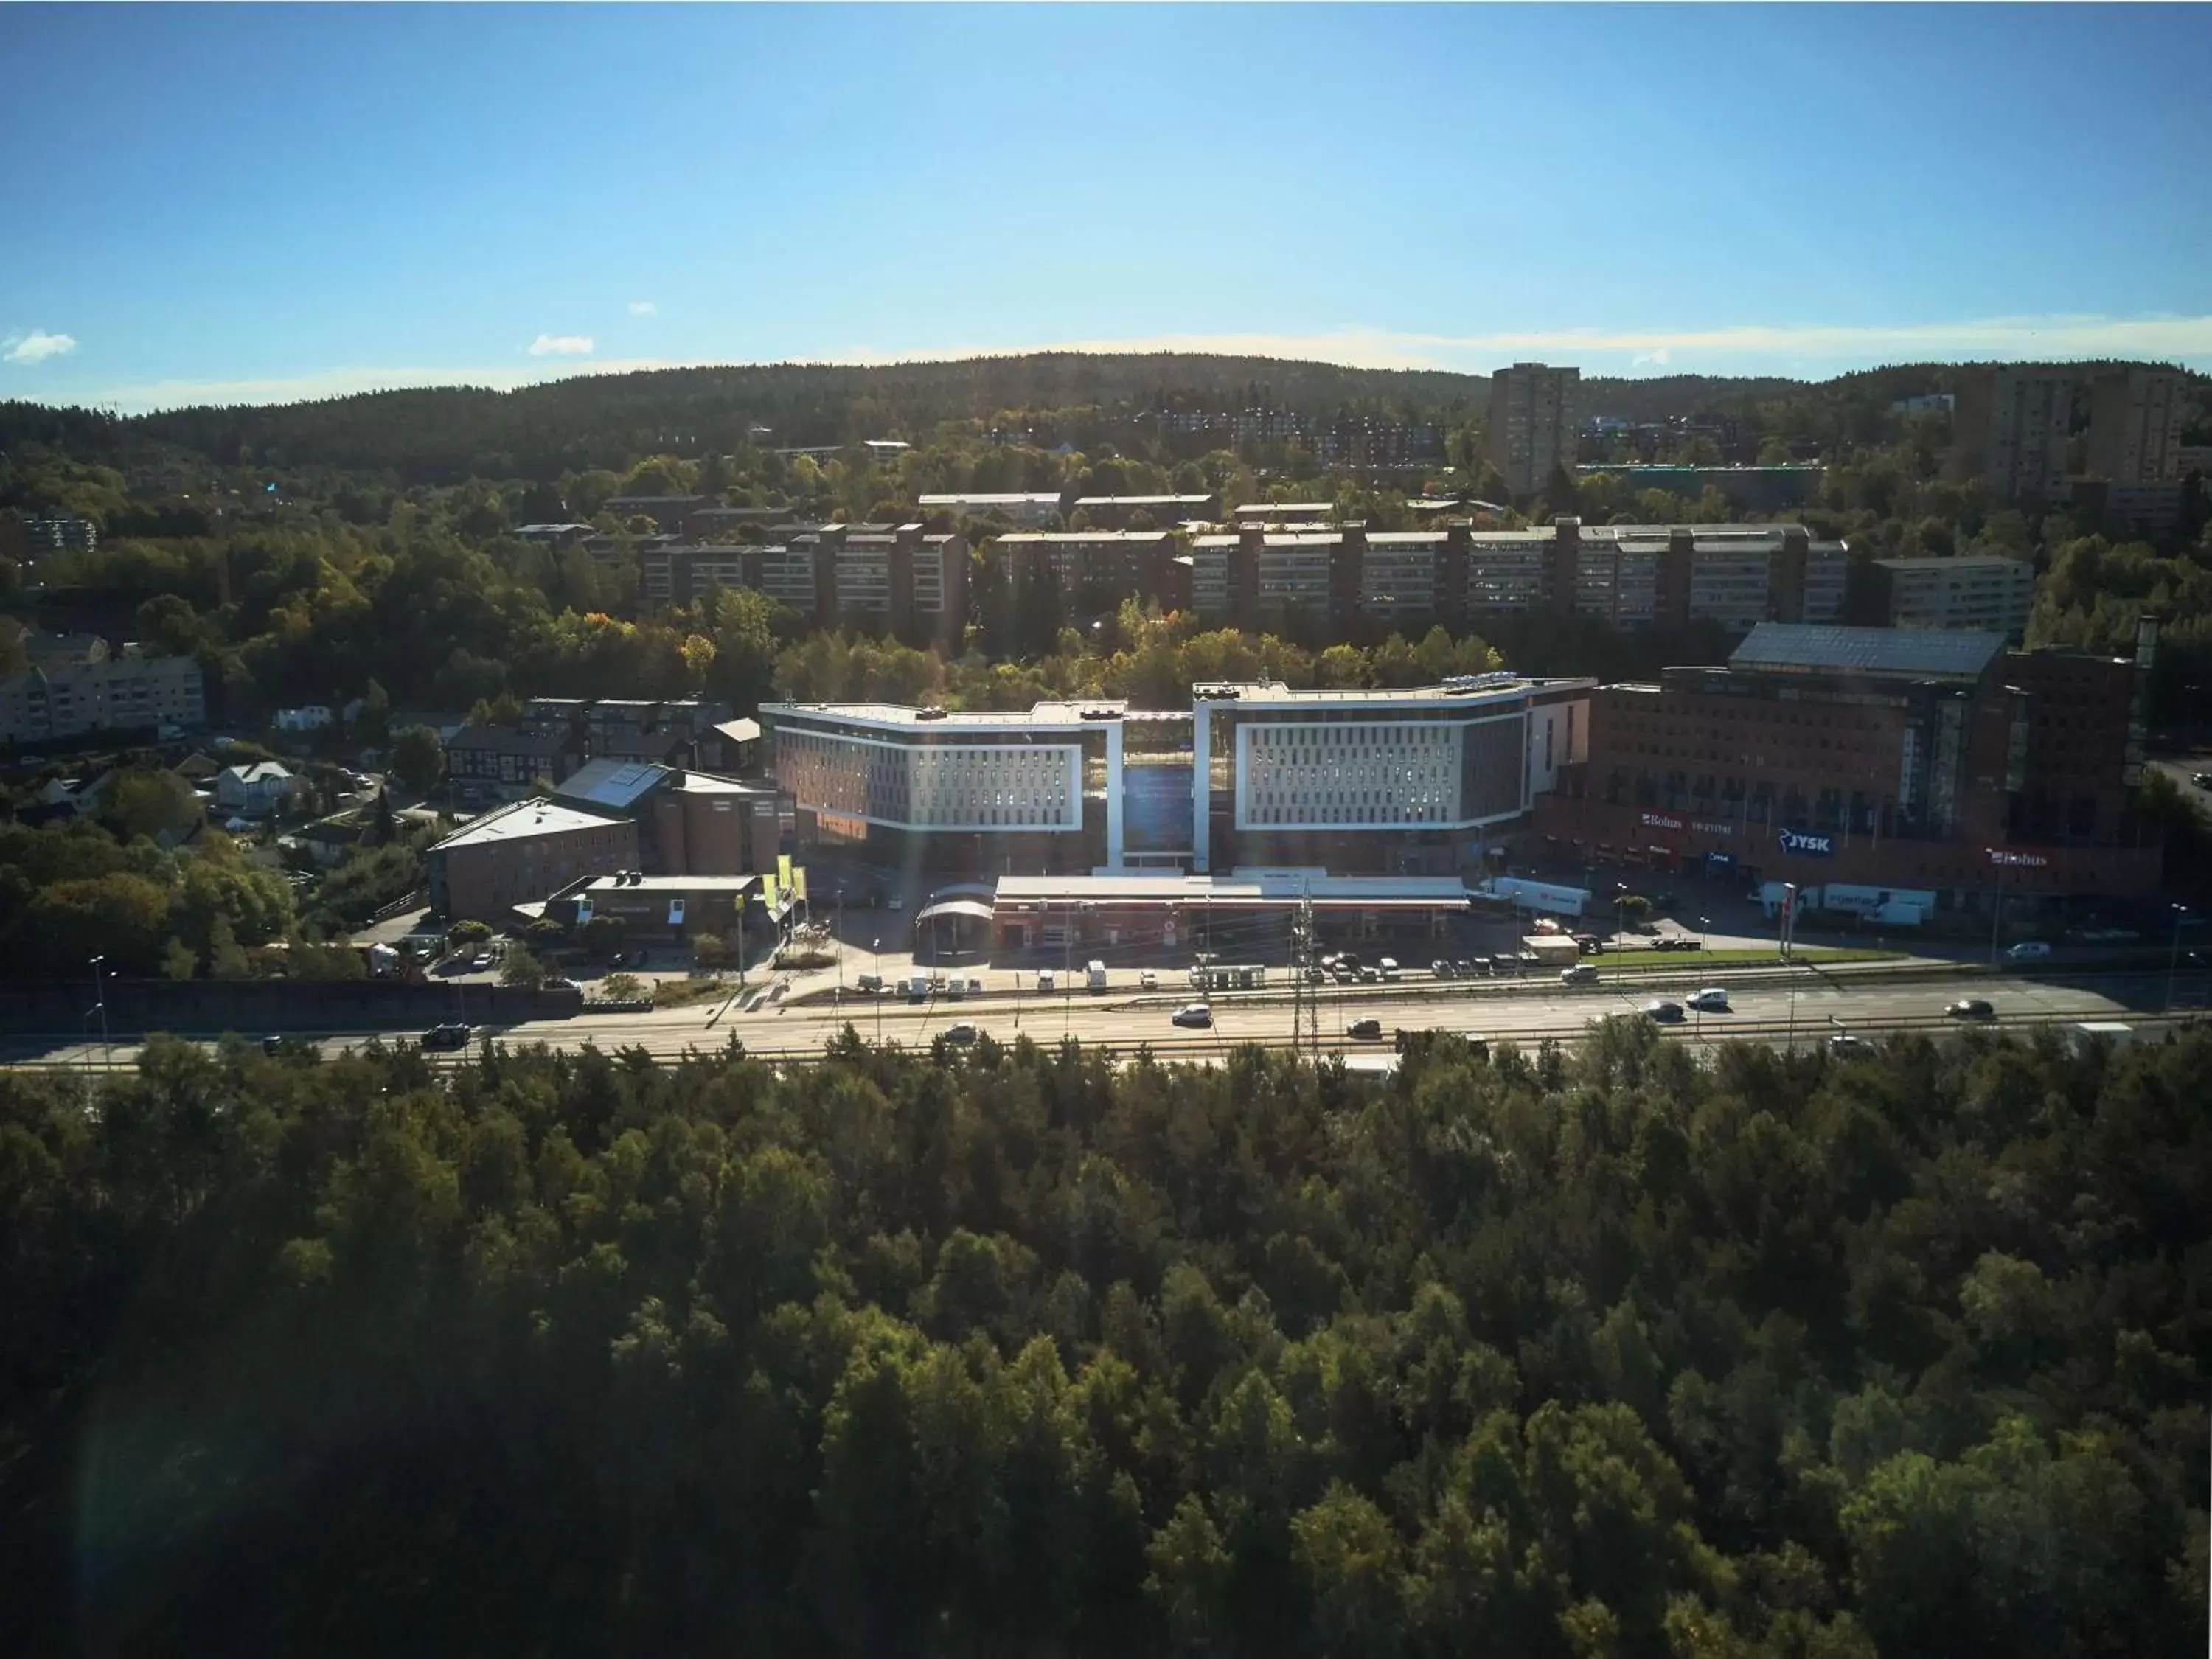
1094, 976
2029, 950
1389, 967
1045, 981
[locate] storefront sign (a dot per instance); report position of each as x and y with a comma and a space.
1705, 829
1720, 860
2018, 860
1661, 821
1806, 844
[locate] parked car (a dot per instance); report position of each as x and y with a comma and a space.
1193, 1013
1582, 973
1711, 1001
1665, 942
2029, 950
1441, 969
871, 983
1045, 981
272, 1045
1504, 962
1371, 975
479, 962
961, 1031
1588, 943
1666, 1012
1367, 1030
2201, 780
1389, 967
1148, 980
1475, 1041
1467, 968
452, 1035
1971, 1008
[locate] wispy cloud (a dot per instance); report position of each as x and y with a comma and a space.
561, 345
643, 307
1659, 358
36, 346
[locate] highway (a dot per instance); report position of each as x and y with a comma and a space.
1770, 1005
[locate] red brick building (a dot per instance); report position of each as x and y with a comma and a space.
1885, 757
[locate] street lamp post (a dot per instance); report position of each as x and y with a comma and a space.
2181, 919
1704, 926
837, 945
99, 986
876, 947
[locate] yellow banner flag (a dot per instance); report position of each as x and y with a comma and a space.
768, 888
799, 880
783, 870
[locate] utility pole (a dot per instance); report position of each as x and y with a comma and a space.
2181, 919
100, 984
876, 946
1996, 928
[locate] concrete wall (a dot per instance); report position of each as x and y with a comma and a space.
257, 1007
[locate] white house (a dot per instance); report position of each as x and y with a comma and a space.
314, 717
254, 791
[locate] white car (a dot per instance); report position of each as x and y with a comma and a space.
2029, 950
1148, 980
1710, 1001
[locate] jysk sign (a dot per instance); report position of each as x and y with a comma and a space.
1805, 845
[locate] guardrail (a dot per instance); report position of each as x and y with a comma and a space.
1177, 1045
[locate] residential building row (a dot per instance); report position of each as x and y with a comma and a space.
77, 692
908, 581
1631, 575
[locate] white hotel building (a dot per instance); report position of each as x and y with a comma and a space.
1403, 781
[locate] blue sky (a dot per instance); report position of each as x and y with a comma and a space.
241, 205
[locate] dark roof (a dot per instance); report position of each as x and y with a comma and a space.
1903, 652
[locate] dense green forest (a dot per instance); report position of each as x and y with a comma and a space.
1012, 1351
450, 435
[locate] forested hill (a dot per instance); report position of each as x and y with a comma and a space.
445, 434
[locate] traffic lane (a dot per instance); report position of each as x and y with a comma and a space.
1529, 1016
1534, 1015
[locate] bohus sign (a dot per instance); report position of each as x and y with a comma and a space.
1805, 844
1661, 821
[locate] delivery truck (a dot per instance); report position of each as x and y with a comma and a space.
1547, 898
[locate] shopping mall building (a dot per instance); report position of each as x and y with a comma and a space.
1403, 782
1934, 764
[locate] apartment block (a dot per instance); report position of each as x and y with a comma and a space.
1534, 421
912, 582
1986, 591
1029, 510
1094, 569
2133, 425
71, 699
2012, 426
